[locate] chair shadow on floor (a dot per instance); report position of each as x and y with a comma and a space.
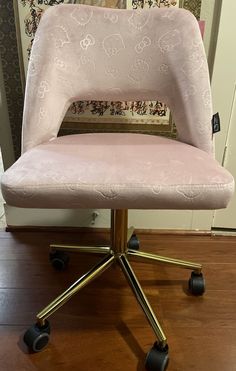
132, 343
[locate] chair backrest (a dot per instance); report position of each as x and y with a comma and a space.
90, 53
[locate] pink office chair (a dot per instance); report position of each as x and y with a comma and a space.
90, 53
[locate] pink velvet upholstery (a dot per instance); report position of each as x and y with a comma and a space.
117, 54
91, 53
132, 171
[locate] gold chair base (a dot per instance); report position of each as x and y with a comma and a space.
120, 253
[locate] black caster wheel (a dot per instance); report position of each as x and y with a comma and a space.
36, 337
196, 284
59, 260
133, 243
157, 358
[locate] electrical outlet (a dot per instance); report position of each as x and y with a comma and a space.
95, 214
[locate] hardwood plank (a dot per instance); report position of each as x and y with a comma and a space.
103, 328
125, 350
173, 308
200, 248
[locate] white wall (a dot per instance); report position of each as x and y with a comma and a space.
207, 14
224, 93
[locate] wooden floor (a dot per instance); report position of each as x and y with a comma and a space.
103, 328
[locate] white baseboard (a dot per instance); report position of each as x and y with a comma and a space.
143, 219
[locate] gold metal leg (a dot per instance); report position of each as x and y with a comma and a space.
162, 259
118, 251
83, 249
73, 289
119, 222
140, 296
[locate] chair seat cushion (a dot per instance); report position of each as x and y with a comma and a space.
117, 170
